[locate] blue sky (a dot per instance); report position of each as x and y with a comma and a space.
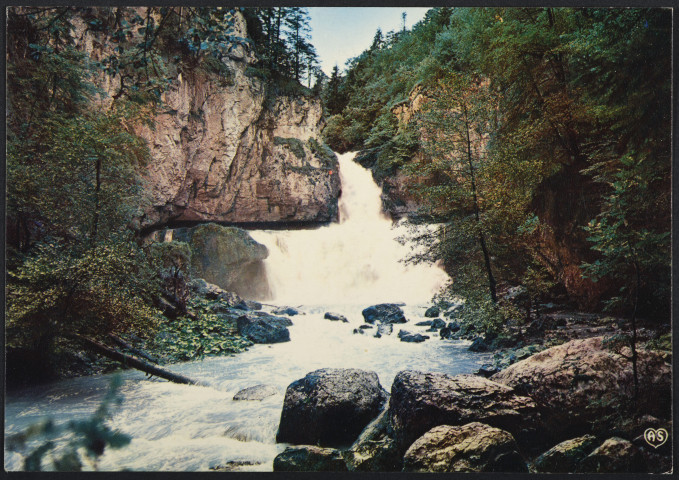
341, 33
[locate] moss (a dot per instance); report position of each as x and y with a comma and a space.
211, 64
323, 153
294, 144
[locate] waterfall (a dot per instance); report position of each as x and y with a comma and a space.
357, 260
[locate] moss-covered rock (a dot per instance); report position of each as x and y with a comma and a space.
474, 447
309, 458
230, 258
565, 457
294, 144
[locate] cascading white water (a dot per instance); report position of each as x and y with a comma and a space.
342, 268
357, 260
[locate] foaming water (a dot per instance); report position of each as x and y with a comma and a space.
357, 260
340, 268
197, 428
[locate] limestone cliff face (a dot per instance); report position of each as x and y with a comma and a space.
224, 150
222, 154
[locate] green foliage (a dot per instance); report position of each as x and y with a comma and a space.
631, 252
88, 440
209, 334
59, 290
295, 145
281, 36
322, 152
577, 104
173, 261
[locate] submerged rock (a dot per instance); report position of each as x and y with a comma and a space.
420, 401
285, 311
309, 458
330, 407
474, 447
385, 328
336, 317
411, 337
258, 392
384, 313
263, 329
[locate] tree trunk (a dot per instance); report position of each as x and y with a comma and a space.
134, 362
633, 343
129, 347
482, 238
97, 189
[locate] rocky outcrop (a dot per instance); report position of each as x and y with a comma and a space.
308, 458
474, 447
420, 401
566, 456
582, 382
229, 258
330, 407
384, 313
221, 153
225, 148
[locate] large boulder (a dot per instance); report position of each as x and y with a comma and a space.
375, 450
474, 447
566, 456
615, 455
582, 382
309, 458
263, 329
330, 407
384, 313
432, 312
420, 401
229, 258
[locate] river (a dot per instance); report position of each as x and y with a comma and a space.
343, 268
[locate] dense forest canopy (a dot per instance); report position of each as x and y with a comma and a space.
538, 137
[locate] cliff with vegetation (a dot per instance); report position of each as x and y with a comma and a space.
539, 137
126, 120
224, 146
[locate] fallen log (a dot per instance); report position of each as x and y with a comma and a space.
134, 362
136, 351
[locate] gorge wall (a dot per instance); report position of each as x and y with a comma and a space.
224, 148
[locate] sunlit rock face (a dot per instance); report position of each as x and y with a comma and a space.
225, 149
